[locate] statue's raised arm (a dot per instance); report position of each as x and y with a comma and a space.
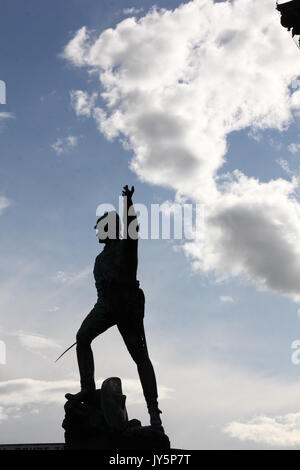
129, 215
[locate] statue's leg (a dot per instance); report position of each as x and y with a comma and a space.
94, 324
132, 331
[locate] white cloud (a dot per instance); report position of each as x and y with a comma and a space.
132, 11
253, 233
82, 102
281, 431
70, 278
226, 299
65, 145
6, 115
284, 164
176, 84
34, 342
26, 391
4, 204
169, 97
294, 148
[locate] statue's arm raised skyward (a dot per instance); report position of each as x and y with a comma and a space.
129, 216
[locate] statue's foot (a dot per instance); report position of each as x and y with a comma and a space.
86, 395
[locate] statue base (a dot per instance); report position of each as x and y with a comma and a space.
103, 424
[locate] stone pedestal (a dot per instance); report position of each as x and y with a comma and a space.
103, 424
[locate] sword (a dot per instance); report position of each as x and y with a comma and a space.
66, 351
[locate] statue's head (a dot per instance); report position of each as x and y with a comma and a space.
108, 227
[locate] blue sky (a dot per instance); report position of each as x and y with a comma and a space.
219, 363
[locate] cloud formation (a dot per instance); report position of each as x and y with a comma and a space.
82, 102
132, 11
283, 431
18, 393
4, 204
226, 299
65, 145
6, 115
254, 233
33, 342
294, 148
175, 84
70, 278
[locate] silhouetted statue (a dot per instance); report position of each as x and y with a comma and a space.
120, 302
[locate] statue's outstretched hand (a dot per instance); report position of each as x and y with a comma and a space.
128, 192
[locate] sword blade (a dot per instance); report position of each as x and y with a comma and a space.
66, 351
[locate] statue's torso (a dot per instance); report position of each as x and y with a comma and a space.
116, 265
